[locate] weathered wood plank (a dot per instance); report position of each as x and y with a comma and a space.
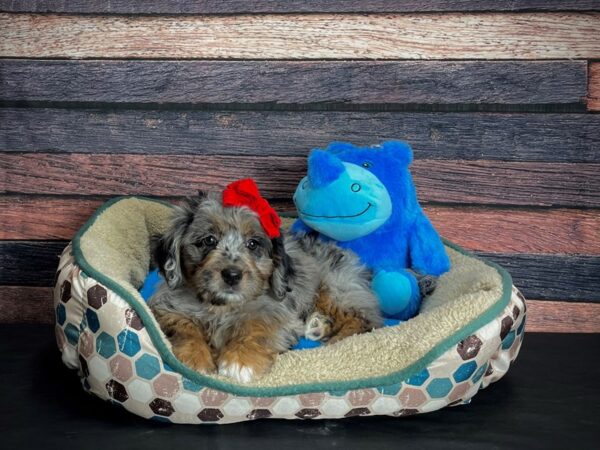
559, 277
313, 36
288, 6
295, 82
477, 182
516, 137
594, 87
24, 304
567, 231
562, 317
29, 263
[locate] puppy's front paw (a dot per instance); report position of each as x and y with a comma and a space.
318, 327
241, 374
196, 357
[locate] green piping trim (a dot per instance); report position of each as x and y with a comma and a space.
247, 391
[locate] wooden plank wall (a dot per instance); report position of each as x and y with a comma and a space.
102, 98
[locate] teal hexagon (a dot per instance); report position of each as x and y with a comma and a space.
464, 371
129, 343
521, 327
418, 379
479, 373
191, 386
105, 345
61, 314
147, 366
508, 340
391, 389
439, 387
93, 323
72, 333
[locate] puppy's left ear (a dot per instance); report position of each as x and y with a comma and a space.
283, 269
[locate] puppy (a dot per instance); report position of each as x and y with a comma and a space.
236, 296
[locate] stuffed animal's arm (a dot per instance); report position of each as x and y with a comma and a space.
427, 252
300, 227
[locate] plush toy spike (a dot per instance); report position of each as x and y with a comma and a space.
245, 193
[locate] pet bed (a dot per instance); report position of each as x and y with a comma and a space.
464, 338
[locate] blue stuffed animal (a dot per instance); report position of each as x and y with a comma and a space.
365, 200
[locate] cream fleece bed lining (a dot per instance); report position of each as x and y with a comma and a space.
113, 247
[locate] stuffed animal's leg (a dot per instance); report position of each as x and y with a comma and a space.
398, 293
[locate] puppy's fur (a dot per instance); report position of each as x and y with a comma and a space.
234, 298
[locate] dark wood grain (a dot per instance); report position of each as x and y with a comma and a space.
295, 82
478, 182
470, 136
29, 263
486, 229
287, 6
559, 277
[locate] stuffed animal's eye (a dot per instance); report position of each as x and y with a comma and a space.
355, 187
367, 164
209, 241
304, 184
252, 244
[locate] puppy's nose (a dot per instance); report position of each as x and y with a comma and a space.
231, 275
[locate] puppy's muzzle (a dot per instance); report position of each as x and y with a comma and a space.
231, 276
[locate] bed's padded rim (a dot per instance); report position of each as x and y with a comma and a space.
159, 342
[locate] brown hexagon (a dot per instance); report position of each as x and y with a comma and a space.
65, 291
505, 327
358, 412
162, 407
406, 412
210, 397
117, 391
133, 320
459, 391
469, 347
97, 296
412, 397
259, 414
489, 371
166, 385
361, 397
521, 297
121, 368
516, 311
311, 400
262, 402
210, 415
308, 413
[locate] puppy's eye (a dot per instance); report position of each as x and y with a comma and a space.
209, 241
252, 244
367, 164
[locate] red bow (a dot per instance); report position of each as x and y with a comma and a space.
245, 193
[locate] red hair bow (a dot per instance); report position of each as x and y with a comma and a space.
245, 193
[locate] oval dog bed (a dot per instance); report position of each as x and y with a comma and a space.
464, 338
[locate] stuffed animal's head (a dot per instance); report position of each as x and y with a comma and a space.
351, 191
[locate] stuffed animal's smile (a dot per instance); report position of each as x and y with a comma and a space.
338, 217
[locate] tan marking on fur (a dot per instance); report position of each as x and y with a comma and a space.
188, 340
249, 346
344, 322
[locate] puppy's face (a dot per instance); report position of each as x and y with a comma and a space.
222, 254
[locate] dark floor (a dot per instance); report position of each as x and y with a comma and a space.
549, 399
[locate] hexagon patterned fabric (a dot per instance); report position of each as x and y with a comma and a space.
103, 337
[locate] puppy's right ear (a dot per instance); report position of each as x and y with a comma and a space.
166, 249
